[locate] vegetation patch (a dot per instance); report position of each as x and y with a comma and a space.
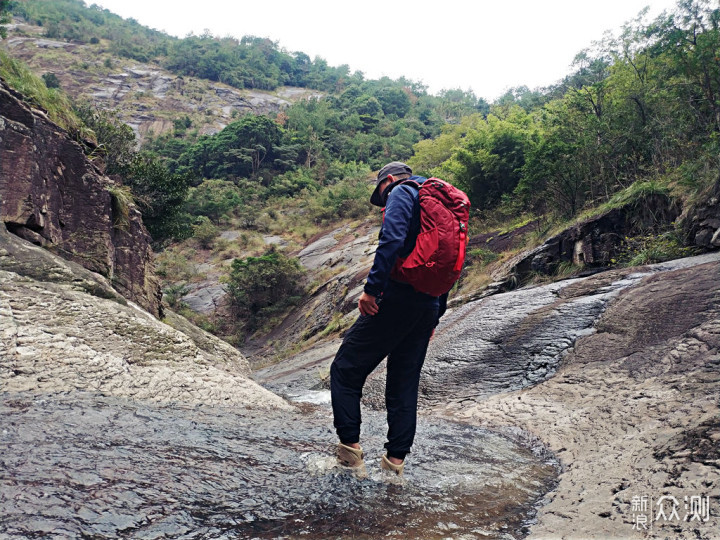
262, 287
653, 249
122, 200
35, 91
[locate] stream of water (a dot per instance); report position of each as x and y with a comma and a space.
98, 467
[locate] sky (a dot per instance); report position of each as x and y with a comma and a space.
483, 46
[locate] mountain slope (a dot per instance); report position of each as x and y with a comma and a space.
148, 97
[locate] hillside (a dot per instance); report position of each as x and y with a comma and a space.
148, 97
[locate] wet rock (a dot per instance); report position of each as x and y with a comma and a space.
508, 341
632, 410
107, 467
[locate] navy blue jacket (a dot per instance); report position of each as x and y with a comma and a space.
400, 227
398, 234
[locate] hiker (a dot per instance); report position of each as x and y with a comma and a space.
396, 321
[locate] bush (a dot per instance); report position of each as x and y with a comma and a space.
262, 287
292, 182
655, 249
173, 293
347, 199
337, 170
205, 232
51, 80
483, 256
173, 265
213, 198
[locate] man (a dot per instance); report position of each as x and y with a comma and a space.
395, 321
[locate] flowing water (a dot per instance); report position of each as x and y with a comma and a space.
99, 467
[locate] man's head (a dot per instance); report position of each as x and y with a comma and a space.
389, 174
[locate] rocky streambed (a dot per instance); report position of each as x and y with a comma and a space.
91, 466
617, 374
546, 412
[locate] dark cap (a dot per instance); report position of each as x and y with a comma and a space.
395, 167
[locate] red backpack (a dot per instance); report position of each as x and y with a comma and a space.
434, 265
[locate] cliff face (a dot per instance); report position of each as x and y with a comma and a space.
53, 196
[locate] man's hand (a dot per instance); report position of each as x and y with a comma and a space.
367, 304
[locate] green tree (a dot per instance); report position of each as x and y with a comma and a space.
455, 103
262, 287
160, 195
369, 109
489, 163
430, 154
238, 151
4, 17
394, 101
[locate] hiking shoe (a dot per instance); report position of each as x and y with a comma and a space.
387, 465
349, 456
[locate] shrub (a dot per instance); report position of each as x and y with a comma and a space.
655, 249
173, 293
484, 256
174, 265
292, 182
213, 198
51, 80
122, 200
261, 287
337, 170
347, 199
205, 232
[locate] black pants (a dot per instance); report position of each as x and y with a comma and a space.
401, 331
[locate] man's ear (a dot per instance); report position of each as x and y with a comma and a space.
391, 178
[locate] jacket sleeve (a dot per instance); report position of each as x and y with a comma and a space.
394, 230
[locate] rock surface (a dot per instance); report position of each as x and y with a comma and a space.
595, 242
632, 412
701, 222
616, 374
51, 195
63, 329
